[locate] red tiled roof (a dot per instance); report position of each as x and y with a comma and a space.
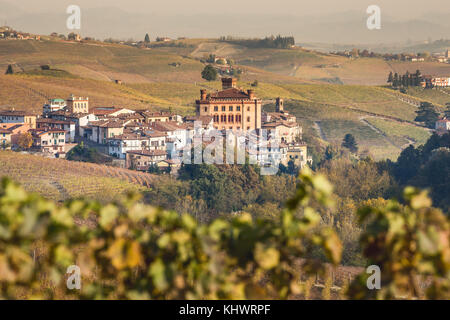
15, 113
104, 111
148, 152
230, 93
49, 120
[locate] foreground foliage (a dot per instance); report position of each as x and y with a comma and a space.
135, 251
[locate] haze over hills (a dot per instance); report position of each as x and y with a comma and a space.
347, 25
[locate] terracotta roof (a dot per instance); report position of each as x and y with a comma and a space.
166, 126
49, 120
39, 132
103, 111
15, 113
148, 152
108, 123
68, 114
155, 134
149, 114
230, 93
129, 136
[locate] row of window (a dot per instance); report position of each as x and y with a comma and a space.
229, 118
224, 108
231, 128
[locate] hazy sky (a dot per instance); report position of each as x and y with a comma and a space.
400, 9
331, 21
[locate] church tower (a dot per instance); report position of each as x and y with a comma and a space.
279, 106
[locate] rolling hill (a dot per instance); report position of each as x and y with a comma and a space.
305, 79
60, 179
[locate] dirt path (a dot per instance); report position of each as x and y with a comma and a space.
319, 130
62, 191
294, 71
371, 126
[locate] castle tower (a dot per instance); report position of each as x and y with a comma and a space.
279, 106
228, 83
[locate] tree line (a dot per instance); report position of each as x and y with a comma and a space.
278, 42
405, 80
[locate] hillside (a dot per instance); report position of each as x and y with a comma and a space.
59, 179
302, 77
316, 66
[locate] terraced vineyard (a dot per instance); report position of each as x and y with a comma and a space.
60, 179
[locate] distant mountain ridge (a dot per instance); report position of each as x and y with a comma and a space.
346, 27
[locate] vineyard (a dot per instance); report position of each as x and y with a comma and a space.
60, 179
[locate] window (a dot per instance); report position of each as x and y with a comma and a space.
230, 108
206, 109
216, 108
238, 108
248, 128
248, 108
248, 119
223, 108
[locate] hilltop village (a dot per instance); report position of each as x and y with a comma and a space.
142, 139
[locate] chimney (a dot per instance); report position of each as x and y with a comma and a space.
251, 94
228, 83
202, 94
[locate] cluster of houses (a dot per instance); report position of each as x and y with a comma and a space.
140, 139
10, 34
428, 81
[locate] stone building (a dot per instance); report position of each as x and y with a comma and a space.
231, 108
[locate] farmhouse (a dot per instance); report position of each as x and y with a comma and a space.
143, 159
443, 125
49, 141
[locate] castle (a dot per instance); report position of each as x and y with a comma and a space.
232, 108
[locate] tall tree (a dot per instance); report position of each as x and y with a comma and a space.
9, 70
349, 142
427, 114
395, 82
390, 77
147, 38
